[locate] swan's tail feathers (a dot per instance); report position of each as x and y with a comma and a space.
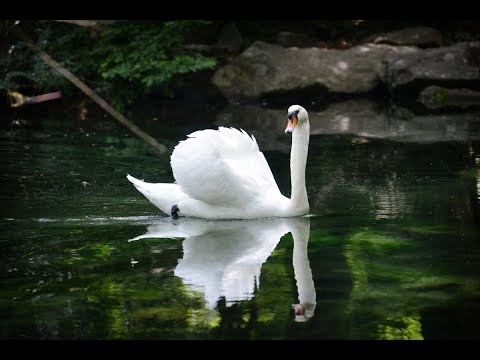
161, 195
135, 181
147, 189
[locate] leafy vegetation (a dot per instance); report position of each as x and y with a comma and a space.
125, 60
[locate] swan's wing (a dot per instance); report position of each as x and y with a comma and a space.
223, 167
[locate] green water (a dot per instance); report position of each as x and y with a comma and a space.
391, 249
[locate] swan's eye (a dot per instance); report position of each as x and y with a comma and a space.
292, 114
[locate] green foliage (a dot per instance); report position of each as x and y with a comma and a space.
127, 59
139, 57
21, 69
440, 96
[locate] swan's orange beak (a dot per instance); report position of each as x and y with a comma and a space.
292, 122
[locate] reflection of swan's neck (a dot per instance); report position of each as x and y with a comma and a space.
298, 163
302, 271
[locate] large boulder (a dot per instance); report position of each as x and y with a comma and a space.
453, 63
264, 69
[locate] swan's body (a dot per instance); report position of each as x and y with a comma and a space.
221, 174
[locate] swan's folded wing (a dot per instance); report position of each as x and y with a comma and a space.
223, 167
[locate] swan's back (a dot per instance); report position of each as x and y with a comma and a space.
222, 167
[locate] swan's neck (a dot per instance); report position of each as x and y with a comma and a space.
298, 162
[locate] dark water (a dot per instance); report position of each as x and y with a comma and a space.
391, 249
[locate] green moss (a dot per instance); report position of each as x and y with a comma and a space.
403, 328
440, 96
162, 313
378, 241
203, 320
438, 229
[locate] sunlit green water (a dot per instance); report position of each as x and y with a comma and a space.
391, 249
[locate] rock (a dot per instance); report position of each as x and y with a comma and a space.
436, 97
416, 36
265, 69
290, 39
457, 62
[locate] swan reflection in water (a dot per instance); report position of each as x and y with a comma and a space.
224, 258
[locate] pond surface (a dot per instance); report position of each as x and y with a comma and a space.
390, 250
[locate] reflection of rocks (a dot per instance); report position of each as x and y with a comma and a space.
435, 97
360, 117
264, 69
390, 203
416, 36
267, 125
364, 118
432, 128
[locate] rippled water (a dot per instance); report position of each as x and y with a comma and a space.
390, 250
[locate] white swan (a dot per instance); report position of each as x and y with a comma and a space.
221, 174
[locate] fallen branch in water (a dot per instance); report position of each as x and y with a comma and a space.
88, 23
90, 93
17, 99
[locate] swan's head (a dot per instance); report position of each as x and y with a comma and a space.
297, 115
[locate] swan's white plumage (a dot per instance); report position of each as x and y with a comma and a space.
222, 174
222, 167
